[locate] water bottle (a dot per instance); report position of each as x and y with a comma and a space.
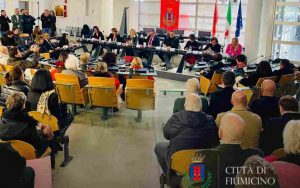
190, 49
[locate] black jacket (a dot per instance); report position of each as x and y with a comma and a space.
12, 166
63, 42
195, 45
17, 125
111, 38
7, 90
191, 130
46, 47
23, 62
6, 41
216, 67
133, 40
47, 21
99, 36
253, 78
225, 155
155, 41
33, 99
4, 23
271, 137
266, 108
28, 23
172, 42
216, 48
291, 158
220, 101
283, 71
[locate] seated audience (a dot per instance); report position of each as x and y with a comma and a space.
291, 142
251, 171
16, 58
253, 124
64, 41
170, 42
187, 129
84, 59
14, 172
14, 83
241, 61
36, 31
72, 68
16, 124
234, 49
102, 71
9, 39
192, 86
217, 66
229, 153
285, 68
267, 105
110, 59
213, 46
45, 47
220, 100
63, 56
263, 70
43, 98
3, 55
137, 64
271, 136
192, 45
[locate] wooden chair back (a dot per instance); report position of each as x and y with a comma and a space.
69, 91
215, 81
26, 150
140, 94
204, 85
45, 119
181, 160
102, 92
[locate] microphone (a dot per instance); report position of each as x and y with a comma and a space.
261, 56
277, 53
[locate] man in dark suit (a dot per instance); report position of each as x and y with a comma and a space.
220, 101
267, 106
271, 136
187, 129
219, 162
285, 68
13, 171
151, 41
170, 42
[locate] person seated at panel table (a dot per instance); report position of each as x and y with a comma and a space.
85, 31
14, 83
285, 68
16, 124
16, 58
43, 98
72, 68
170, 42
64, 41
131, 40
114, 36
217, 66
151, 41
220, 101
190, 128
3, 55
211, 49
14, 172
8, 39
191, 45
36, 31
263, 70
97, 34
234, 48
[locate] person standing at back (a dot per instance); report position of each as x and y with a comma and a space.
28, 23
17, 20
46, 19
4, 22
53, 25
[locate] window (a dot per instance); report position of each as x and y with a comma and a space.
286, 34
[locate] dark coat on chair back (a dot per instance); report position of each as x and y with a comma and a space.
283, 71
220, 101
190, 130
266, 107
225, 155
271, 137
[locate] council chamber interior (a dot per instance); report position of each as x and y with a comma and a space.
149, 93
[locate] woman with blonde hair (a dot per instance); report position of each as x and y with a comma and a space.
136, 63
234, 48
84, 59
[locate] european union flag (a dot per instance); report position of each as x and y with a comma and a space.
239, 21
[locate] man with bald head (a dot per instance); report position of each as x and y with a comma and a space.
221, 160
267, 105
187, 129
252, 121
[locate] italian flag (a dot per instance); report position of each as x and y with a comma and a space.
228, 21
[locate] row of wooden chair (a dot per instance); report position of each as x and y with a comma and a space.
101, 92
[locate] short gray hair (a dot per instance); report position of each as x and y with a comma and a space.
192, 85
193, 103
72, 63
291, 137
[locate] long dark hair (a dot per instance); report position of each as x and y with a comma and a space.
97, 29
264, 69
42, 81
